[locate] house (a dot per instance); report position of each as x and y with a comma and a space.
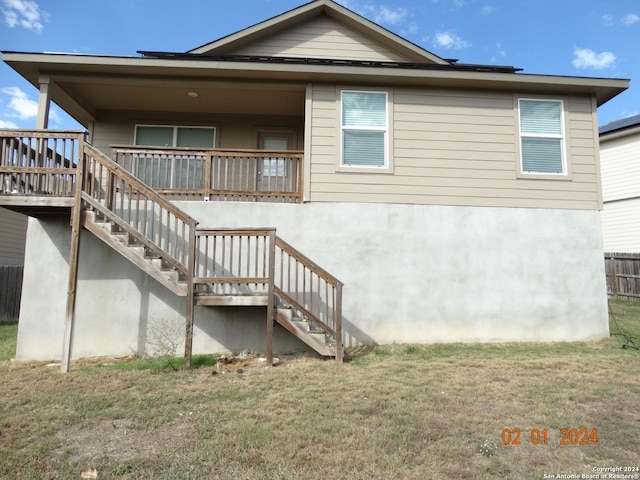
455, 202
620, 155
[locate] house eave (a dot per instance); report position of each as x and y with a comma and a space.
78, 69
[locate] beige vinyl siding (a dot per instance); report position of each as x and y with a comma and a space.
621, 226
13, 231
453, 148
620, 163
322, 38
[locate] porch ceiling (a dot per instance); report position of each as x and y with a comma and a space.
165, 96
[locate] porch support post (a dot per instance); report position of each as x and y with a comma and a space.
73, 260
271, 307
306, 159
44, 102
191, 265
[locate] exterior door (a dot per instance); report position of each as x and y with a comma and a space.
272, 171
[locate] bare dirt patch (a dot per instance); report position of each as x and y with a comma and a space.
95, 441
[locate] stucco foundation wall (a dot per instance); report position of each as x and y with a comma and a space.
417, 273
119, 309
412, 273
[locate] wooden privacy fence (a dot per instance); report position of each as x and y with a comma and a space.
10, 292
623, 275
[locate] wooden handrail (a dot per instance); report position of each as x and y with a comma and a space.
326, 310
49, 133
317, 269
215, 151
132, 180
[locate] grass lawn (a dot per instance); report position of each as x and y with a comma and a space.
401, 411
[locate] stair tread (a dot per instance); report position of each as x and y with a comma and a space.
135, 253
316, 340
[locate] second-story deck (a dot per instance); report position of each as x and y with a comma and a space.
38, 171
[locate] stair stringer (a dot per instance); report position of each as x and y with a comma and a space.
300, 329
135, 254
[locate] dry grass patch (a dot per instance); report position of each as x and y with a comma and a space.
391, 412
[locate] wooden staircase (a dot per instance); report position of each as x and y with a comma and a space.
306, 330
138, 253
211, 267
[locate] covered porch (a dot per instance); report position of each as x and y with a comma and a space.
38, 171
187, 128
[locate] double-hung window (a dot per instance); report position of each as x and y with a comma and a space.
172, 169
364, 129
542, 137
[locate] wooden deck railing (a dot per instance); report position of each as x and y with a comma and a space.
39, 162
186, 173
256, 263
234, 261
310, 289
139, 210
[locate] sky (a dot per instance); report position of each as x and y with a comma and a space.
583, 38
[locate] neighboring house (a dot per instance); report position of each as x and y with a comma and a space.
457, 202
620, 160
13, 231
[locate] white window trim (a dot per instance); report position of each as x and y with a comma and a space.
388, 137
565, 174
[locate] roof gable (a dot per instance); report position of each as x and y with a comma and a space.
299, 33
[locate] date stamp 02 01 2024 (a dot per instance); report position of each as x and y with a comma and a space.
571, 436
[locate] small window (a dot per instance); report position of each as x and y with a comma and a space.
364, 129
542, 142
169, 136
172, 170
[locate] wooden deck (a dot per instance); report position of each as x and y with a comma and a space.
57, 172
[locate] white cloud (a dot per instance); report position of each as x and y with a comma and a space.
607, 20
25, 14
390, 16
587, 58
22, 107
378, 13
449, 40
7, 124
630, 19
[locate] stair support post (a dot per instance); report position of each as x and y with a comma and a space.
271, 297
191, 265
338, 324
74, 255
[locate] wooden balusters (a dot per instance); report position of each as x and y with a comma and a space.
241, 175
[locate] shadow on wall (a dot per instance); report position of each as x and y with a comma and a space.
235, 329
352, 336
